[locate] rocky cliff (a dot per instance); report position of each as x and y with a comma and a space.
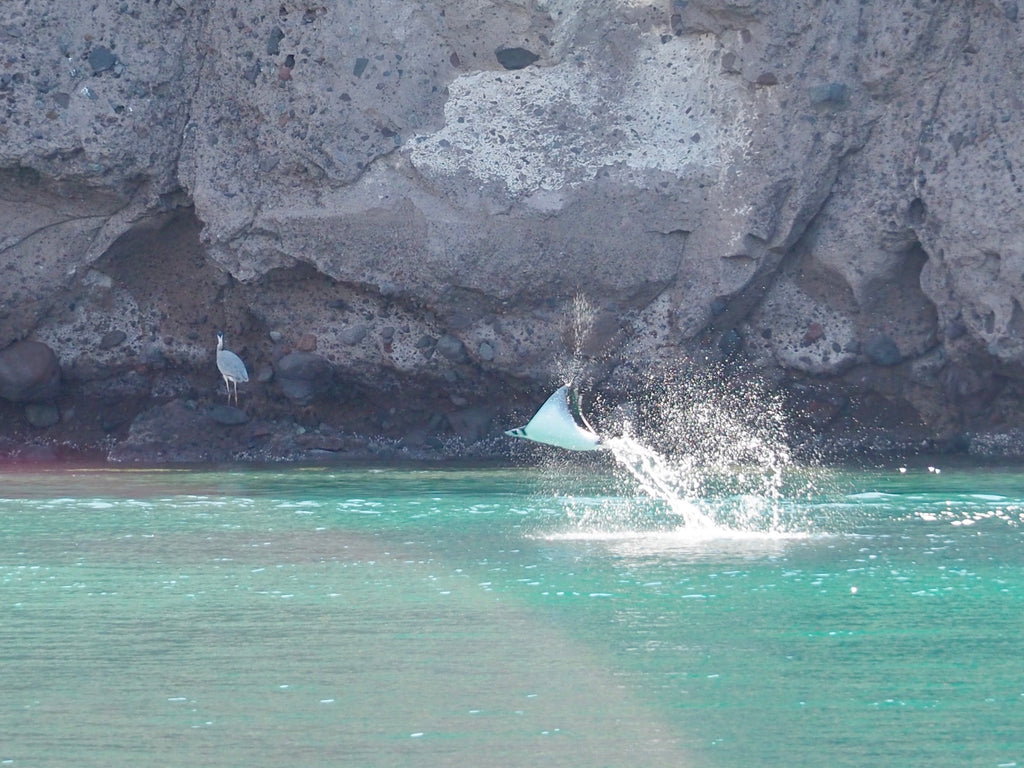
410, 219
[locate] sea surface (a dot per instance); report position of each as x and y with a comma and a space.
555, 615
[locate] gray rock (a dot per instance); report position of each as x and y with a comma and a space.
112, 338
472, 424
882, 350
451, 348
29, 372
228, 415
42, 415
274, 41
831, 95
101, 59
515, 58
303, 376
504, 201
354, 334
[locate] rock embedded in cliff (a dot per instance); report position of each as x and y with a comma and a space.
274, 41
112, 339
42, 415
882, 350
354, 334
29, 373
303, 376
451, 348
515, 58
228, 416
472, 424
828, 96
101, 59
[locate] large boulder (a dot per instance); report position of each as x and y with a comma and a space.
29, 373
304, 376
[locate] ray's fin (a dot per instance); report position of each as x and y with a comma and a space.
554, 424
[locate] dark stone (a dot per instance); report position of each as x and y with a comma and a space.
1011, 11
485, 351
767, 78
955, 330
830, 95
101, 59
252, 72
354, 334
471, 424
360, 67
114, 415
303, 376
451, 348
515, 58
882, 350
29, 373
41, 415
274, 41
265, 373
228, 415
417, 438
112, 339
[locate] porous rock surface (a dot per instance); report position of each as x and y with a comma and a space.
448, 206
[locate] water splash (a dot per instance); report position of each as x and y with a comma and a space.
580, 323
710, 456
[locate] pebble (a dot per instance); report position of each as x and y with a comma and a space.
101, 59
451, 348
112, 339
274, 41
354, 334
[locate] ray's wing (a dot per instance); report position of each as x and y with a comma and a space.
553, 424
576, 408
554, 415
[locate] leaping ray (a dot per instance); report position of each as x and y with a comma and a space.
554, 424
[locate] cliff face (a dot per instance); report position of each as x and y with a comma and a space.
442, 205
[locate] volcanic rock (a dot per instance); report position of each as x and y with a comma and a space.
303, 376
29, 372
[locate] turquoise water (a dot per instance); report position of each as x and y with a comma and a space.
520, 617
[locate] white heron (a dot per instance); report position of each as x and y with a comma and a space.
231, 367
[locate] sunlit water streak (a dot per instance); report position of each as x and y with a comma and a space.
511, 617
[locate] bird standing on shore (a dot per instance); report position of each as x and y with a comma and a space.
231, 367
